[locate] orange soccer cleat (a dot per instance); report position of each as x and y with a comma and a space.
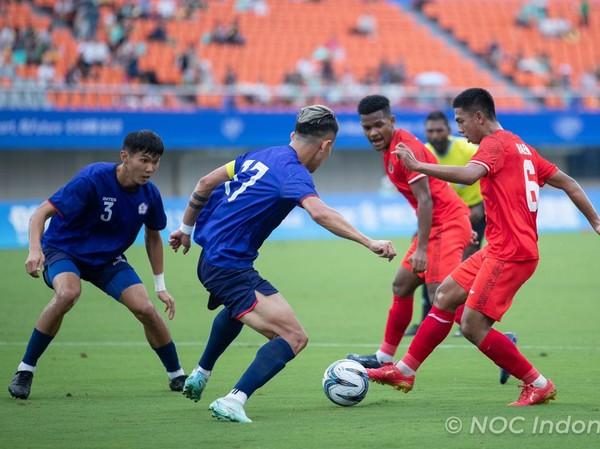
531, 395
390, 375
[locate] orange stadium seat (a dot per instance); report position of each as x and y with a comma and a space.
274, 43
495, 20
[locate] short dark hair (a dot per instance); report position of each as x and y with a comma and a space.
438, 115
374, 103
144, 141
316, 121
476, 99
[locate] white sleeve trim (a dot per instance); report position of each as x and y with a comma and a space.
416, 178
483, 164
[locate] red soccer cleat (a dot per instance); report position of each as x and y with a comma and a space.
390, 375
531, 395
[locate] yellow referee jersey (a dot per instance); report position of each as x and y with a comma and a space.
460, 153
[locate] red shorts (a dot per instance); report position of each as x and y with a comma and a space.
447, 243
491, 283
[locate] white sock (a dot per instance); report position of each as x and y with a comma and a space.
174, 374
202, 370
406, 370
540, 382
25, 367
238, 395
382, 357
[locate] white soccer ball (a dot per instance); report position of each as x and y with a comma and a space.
345, 382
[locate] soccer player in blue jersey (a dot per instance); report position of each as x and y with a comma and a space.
234, 209
95, 217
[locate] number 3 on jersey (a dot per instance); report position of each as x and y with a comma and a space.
532, 189
260, 168
106, 216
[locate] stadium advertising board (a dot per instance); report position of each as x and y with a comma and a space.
373, 213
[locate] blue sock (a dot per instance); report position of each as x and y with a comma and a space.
168, 356
224, 331
270, 359
38, 342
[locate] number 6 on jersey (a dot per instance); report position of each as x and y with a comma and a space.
531, 186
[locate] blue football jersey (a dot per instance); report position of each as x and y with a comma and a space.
242, 213
97, 219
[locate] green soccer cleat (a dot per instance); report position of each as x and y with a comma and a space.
228, 409
194, 386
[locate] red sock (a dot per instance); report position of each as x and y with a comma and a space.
432, 331
458, 314
505, 354
399, 317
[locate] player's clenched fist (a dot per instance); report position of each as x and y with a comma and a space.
383, 248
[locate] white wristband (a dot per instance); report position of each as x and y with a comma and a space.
187, 230
159, 282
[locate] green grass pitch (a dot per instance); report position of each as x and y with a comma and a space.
100, 386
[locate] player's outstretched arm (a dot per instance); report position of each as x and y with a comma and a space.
467, 175
35, 259
564, 182
154, 249
334, 222
198, 200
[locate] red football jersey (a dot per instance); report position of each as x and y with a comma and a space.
510, 189
447, 205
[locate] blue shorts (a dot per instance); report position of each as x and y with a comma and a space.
233, 288
112, 278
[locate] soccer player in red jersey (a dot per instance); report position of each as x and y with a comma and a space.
511, 174
444, 229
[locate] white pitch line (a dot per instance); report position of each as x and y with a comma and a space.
310, 345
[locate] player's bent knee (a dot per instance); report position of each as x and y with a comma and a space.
449, 295
468, 330
297, 340
67, 295
144, 311
473, 330
443, 298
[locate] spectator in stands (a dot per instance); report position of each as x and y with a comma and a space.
554, 26
218, 33
391, 73
7, 67
562, 77
187, 59
86, 19
230, 83
46, 71
532, 12
166, 9
78, 72
493, 55
159, 33
589, 83
327, 71
7, 37
258, 7
366, 25
94, 52
539, 64
584, 13
191, 6
115, 30
64, 11
234, 35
